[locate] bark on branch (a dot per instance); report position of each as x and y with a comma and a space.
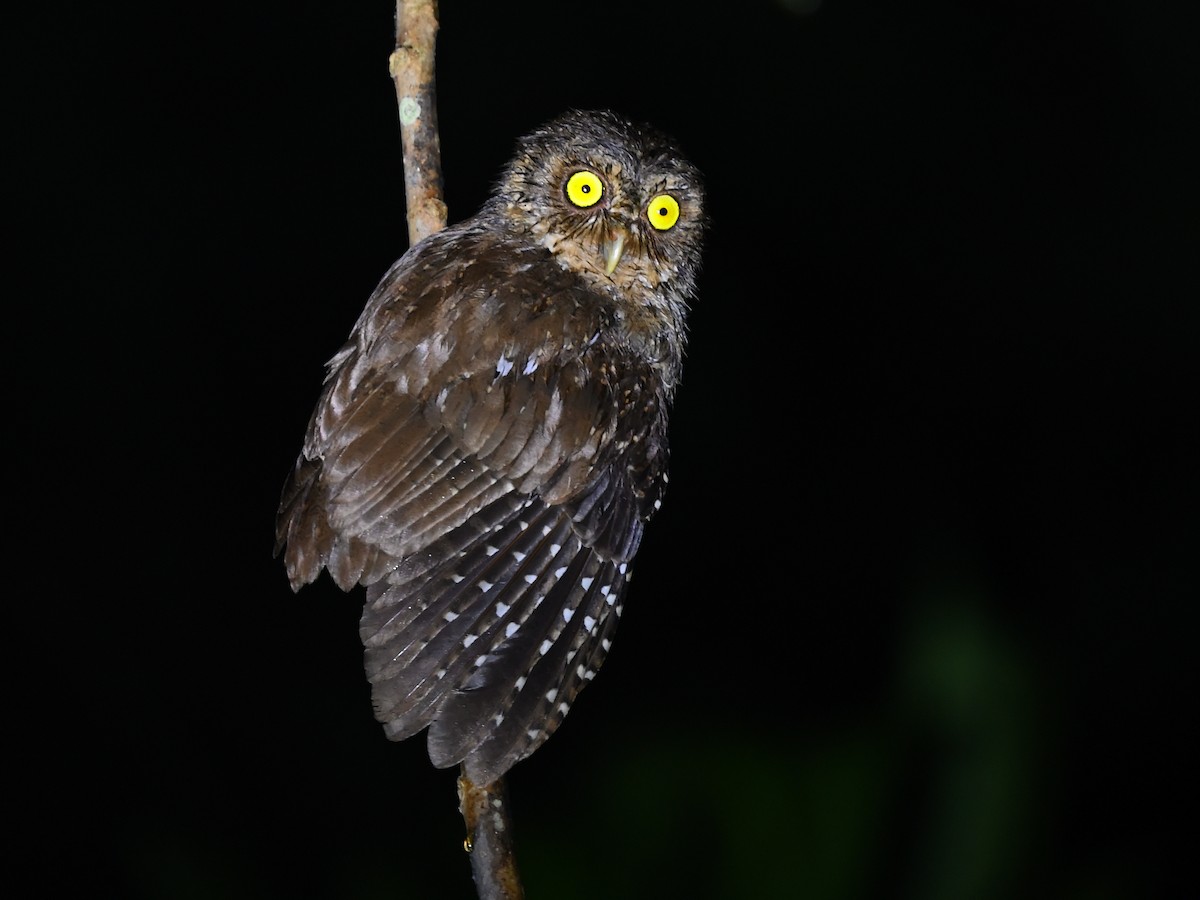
489, 839
484, 807
412, 69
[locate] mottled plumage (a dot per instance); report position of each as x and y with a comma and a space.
492, 439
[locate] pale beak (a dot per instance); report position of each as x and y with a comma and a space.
613, 248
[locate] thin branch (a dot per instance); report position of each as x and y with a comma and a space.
412, 68
489, 839
484, 807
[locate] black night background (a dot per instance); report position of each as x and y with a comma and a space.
917, 617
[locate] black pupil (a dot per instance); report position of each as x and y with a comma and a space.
585, 188
662, 211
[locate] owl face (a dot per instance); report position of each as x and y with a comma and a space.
613, 202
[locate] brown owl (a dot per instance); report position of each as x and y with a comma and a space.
492, 439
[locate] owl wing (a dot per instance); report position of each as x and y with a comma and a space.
484, 461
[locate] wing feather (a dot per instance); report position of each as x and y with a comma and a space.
464, 463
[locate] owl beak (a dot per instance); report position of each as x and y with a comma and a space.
614, 248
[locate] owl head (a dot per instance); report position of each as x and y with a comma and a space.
612, 200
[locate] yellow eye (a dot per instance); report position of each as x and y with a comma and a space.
663, 212
585, 189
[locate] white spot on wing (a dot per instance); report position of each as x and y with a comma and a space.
567, 613
503, 365
501, 609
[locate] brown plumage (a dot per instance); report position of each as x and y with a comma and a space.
492, 439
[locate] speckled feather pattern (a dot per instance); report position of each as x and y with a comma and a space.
492, 439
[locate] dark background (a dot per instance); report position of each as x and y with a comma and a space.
917, 618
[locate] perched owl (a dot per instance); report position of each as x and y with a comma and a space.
492, 439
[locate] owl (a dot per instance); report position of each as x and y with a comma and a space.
491, 441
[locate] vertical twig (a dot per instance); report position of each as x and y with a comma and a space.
484, 807
412, 68
489, 838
